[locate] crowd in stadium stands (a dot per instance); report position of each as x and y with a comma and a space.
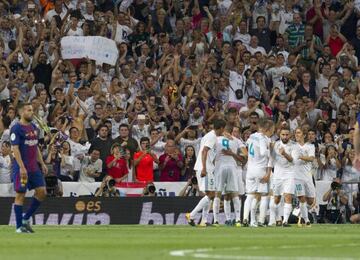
181, 64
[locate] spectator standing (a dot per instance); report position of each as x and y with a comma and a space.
102, 143
170, 163
116, 164
91, 167
5, 163
144, 162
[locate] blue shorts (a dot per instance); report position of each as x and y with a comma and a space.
35, 180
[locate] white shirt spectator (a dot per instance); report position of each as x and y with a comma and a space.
89, 166
257, 49
237, 81
78, 150
5, 169
286, 18
78, 32
138, 133
122, 33
276, 74
52, 13
68, 167
224, 6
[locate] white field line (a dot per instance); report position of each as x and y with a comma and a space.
210, 253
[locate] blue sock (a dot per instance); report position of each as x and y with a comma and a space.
33, 207
19, 215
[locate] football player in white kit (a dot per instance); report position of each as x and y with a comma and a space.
228, 150
241, 166
283, 182
304, 186
258, 173
204, 167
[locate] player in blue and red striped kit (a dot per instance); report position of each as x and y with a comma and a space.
26, 171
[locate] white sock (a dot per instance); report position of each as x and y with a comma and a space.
304, 211
272, 219
247, 206
277, 214
237, 207
202, 203
254, 206
287, 212
227, 209
205, 212
263, 208
216, 208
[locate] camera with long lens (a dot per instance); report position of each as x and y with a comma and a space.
109, 185
151, 188
335, 185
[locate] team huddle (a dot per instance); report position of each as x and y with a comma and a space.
274, 173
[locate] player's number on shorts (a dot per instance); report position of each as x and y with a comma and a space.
251, 150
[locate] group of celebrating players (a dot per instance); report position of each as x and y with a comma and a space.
274, 171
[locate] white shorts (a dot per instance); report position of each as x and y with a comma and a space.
206, 183
281, 186
226, 179
305, 188
253, 185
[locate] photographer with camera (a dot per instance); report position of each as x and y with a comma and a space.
149, 190
191, 189
336, 202
107, 188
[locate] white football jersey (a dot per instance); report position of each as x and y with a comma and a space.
209, 140
283, 169
224, 143
303, 169
258, 151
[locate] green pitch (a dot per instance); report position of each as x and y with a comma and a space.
170, 242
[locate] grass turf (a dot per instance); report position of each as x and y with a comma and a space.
156, 242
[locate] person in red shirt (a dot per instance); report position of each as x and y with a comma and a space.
116, 165
144, 162
335, 40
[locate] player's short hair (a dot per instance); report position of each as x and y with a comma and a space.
22, 105
219, 123
286, 128
265, 124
